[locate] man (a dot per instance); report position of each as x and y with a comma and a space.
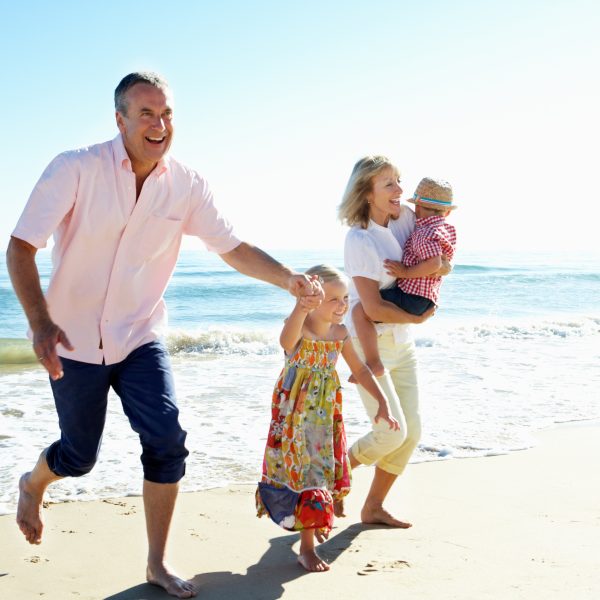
118, 211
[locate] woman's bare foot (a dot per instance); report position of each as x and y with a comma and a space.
338, 508
29, 511
377, 515
173, 585
312, 562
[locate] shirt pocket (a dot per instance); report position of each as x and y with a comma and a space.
156, 236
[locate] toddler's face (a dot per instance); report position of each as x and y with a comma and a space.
423, 212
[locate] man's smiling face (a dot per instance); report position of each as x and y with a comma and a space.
146, 126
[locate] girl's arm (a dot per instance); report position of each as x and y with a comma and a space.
292, 328
361, 373
380, 310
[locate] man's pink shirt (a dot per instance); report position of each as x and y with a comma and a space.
112, 256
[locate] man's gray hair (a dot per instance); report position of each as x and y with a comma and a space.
130, 80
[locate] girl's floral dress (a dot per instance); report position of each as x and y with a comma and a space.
305, 467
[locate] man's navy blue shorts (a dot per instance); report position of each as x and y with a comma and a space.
144, 383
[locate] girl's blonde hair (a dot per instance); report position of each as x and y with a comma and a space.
327, 274
354, 209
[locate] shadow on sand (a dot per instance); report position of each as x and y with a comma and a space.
264, 580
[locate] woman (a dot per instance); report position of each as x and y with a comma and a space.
379, 227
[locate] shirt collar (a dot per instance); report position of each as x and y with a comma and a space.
377, 227
122, 158
432, 221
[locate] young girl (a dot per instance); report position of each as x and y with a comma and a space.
305, 468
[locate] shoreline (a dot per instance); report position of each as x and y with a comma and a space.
520, 525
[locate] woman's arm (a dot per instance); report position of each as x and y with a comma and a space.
380, 310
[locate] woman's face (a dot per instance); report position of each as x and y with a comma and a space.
384, 197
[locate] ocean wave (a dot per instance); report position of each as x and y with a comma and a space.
16, 352
221, 341
518, 330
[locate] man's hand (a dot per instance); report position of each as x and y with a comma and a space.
307, 289
45, 339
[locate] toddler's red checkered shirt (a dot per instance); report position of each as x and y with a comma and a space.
432, 237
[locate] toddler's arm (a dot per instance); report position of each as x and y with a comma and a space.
361, 373
425, 268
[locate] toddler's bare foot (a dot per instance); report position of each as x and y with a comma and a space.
338, 508
321, 535
29, 511
377, 515
312, 562
162, 576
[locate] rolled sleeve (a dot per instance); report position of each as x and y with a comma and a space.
50, 202
206, 222
361, 257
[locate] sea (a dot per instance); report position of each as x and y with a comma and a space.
514, 348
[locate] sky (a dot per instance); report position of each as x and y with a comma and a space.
276, 101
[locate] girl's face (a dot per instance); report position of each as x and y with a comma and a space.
334, 307
384, 197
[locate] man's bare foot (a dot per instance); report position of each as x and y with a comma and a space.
29, 511
338, 508
173, 585
312, 562
377, 515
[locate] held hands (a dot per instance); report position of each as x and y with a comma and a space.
384, 413
308, 290
45, 339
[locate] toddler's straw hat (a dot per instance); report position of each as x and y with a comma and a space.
433, 193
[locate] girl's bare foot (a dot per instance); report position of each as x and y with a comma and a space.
312, 562
173, 585
377, 515
29, 511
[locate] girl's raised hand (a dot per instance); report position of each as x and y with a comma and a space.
384, 413
307, 289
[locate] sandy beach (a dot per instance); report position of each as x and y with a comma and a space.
524, 525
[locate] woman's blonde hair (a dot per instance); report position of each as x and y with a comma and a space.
327, 273
354, 209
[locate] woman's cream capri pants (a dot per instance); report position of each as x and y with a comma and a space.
388, 449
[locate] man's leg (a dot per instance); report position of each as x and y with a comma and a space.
80, 399
144, 383
32, 486
159, 504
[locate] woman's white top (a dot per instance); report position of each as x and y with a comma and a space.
364, 253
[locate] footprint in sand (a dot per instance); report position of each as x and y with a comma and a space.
36, 559
375, 566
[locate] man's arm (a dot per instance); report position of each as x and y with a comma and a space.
252, 261
24, 275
